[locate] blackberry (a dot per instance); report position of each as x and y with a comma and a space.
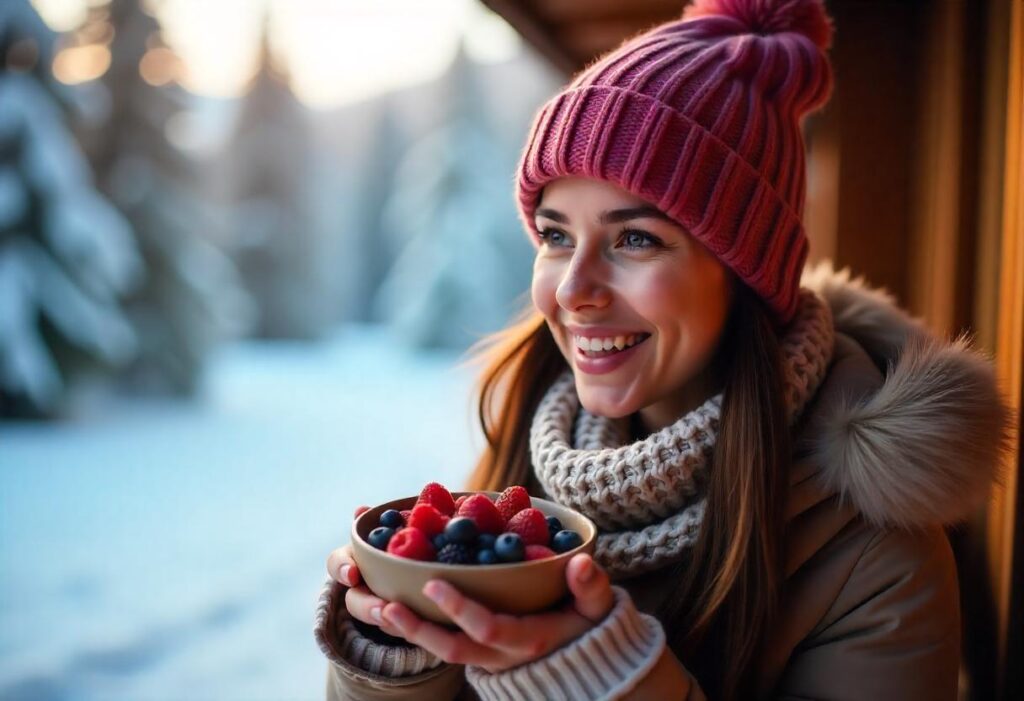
439, 541
456, 554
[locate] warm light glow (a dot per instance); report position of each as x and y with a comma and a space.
77, 64
343, 51
62, 15
158, 66
335, 51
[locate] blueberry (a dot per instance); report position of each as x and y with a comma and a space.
461, 529
486, 557
485, 541
439, 541
565, 541
379, 537
554, 526
509, 547
392, 519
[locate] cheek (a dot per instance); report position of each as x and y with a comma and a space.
691, 305
542, 290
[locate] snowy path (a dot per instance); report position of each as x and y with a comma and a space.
175, 551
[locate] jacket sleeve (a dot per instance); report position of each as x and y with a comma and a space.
365, 663
622, 657
893, 632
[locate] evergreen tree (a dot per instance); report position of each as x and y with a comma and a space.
192, 297
67, 257
465, 267
277, 247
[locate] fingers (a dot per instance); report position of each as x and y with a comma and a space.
590, 587
340, 564
364, 605
481, 624
520, 638
454, 648
342, 568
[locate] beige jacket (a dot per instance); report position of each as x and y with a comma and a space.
900, 440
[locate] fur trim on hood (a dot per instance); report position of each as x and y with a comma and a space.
924, 448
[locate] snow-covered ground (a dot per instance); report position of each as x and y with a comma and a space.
169, 550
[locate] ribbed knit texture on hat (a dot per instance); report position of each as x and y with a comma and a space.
701, 117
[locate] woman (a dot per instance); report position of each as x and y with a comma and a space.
770, 454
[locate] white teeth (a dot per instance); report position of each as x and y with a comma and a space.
606, 344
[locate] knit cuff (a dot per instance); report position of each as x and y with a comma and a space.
604, 663
342, 641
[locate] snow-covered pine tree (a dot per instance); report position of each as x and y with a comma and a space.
277, 247
67, 257
192, 297
465, 267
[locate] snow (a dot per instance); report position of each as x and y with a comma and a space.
172, 550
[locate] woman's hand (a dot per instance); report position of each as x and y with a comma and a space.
359, 600
496, 641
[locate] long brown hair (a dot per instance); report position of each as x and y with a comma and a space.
728, 592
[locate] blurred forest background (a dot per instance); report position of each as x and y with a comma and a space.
243, 245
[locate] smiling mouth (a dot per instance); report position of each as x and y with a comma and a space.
612, 351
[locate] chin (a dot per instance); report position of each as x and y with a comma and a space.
598, 405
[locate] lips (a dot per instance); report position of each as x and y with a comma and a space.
605, 363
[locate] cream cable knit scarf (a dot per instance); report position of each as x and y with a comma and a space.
646, 497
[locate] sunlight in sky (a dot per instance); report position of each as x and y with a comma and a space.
336, 51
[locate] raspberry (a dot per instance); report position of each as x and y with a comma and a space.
411, 543
405, 516
426, 518
531, 526
458, 502
512, 501
437, 496
484, 513
538, 552
456, 554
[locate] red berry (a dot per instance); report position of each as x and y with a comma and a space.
484, 513
427, 519
512, 501
405, 515
458, 502
538, 552
437, 496
411, 543
531, 525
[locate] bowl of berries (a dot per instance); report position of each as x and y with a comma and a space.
507, 550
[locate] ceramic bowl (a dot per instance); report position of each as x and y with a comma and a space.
515, 588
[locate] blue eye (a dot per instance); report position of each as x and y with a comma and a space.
552, 236
634, 238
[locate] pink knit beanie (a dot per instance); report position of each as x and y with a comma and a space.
701, 117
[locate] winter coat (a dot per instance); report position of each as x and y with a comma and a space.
901, 439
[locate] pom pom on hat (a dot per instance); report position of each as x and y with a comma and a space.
806, 17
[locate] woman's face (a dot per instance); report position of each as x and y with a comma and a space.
611, 266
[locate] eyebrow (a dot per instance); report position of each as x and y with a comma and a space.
614, 216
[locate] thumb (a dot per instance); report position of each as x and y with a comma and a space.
590, 587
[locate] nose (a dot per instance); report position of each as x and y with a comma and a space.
584, 283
